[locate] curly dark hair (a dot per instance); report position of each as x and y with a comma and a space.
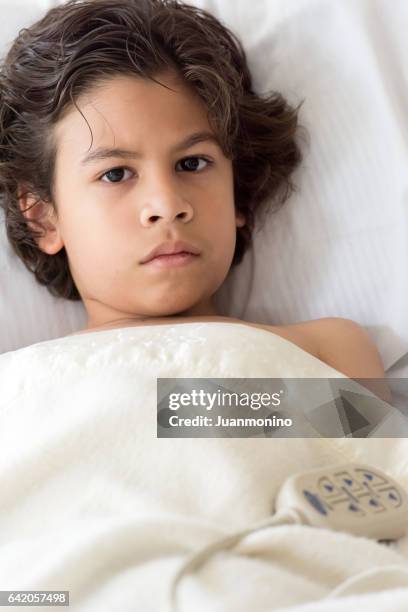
77, 45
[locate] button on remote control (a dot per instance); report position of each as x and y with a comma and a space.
327, 488
346, 479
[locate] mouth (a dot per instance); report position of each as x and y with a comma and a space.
171, 247
175, 260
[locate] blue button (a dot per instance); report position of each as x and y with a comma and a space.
348, 481
328, 487
315, 501
368, 476
373, 502
353, 507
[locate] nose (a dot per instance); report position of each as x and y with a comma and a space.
165, 207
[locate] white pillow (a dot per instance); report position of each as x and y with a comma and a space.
339, 246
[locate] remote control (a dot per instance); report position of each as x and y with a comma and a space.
350, 497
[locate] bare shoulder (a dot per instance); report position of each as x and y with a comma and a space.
343, 344
348, 347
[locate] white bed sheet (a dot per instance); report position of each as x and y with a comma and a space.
94, 503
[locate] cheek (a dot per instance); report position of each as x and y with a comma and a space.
225, 240
86, 249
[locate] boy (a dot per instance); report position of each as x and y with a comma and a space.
196, 153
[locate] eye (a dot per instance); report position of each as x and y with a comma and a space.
114, 173
195, 157
117, 173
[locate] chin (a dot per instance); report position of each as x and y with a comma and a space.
185, 310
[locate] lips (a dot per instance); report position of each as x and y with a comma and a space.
170, 248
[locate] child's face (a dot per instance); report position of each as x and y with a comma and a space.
109, 222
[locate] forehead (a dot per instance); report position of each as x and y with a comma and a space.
131, 111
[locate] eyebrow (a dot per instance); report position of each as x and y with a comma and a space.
105, 153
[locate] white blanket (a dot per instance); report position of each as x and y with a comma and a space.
94, 503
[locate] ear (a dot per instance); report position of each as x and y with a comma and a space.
239, 219
41, 216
